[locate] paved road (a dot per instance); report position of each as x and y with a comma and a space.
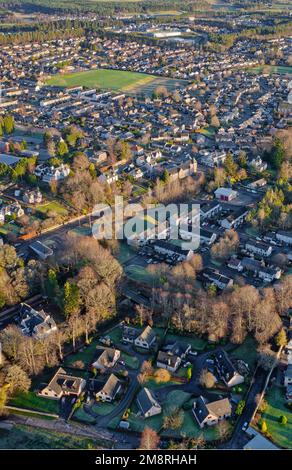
239, 437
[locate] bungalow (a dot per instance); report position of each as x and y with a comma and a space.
211, 413
106, 358
63, 384
110, 389
258, 248
147, 403
146, 339
226, 370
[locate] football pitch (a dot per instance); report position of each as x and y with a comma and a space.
132, 83
103, 79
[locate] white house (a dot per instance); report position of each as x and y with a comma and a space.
211, 413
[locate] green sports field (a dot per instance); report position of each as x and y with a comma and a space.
103, 79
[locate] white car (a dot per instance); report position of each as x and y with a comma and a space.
245, 426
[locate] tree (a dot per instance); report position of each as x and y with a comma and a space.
173, 419
277, 153
267, 358
284, 420
226, 246
51, 285
223, 430
149, 439
8, 124
189, 373
264, 426
207, 379
71, 299
3, 397
62, 148
262, 403
230, 166
162, 376
17, 379
281, 338
240, 407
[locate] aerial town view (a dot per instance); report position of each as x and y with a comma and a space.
146, 226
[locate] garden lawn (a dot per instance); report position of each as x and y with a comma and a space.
86, 355
281, 434
52, 206
196, 343
140, 273
29, 400
82, 416
124, 253
131, 361
138, 423
246, 352
189, 427
115, 334
103, 79
103, 408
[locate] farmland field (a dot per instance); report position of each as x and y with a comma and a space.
116, 80
25, 437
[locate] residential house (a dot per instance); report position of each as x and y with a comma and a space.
9, 209
148, 404
226, 370
211, 413
258, 248
129, 334
288, 375
209, 209
235, 219
106, 358
37, 324
110, 389
218, 279
285, 237
32, 196
257, 164
268, 274
50, 173
63, 384
146, 339
172, 355
169, 249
